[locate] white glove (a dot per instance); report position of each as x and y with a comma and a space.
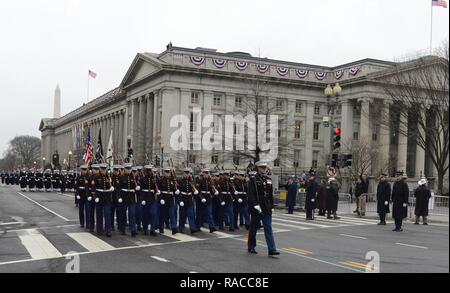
177, 192
313, 200
258, 208
216, 193
386, 203
405, 205
203, 200
162, 202
97, 200
196, 192
137, 188
78, 197
222, 203
120, 200
236, 192
158, 193
273, 210
143, 202
181, 204
111, 189
240, 200
90, 198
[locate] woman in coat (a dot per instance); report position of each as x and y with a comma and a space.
422, 195
292, 187
383, 198
400, 197
322, 198
310, 201
332, 199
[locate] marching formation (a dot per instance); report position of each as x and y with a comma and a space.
141, 199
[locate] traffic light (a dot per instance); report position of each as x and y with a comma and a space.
337, 138
334, 160
130, 152
348, 160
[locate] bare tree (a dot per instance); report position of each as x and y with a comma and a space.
9, 161
419, 90
26, 148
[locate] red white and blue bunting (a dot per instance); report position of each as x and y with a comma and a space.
354, 70
262, 68
197, 60
301, 73
282, 71
220, 63
241, 65
338, 74
320, 75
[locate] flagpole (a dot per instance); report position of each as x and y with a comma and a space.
88, 87
431, 31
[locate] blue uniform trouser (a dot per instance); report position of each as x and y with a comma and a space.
216, 213
199, 213
227, 215
103, 212
268, 233
138, 214
187, 212
121, 216
82, 211
165, 212
114, 210
131, 207
149, 216
240, 210
205, 213
382, 217
90, 215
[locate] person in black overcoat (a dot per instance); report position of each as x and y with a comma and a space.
332, 198
311, 197
383, 198
422, 195
400, 197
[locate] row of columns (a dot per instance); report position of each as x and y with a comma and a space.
142, 111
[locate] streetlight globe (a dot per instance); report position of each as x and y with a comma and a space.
328, 91
70, 153
337, 90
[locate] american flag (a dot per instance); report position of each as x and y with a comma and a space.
92, 74
89, 151
441, 3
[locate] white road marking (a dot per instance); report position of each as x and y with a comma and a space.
182, 237
45, 208
12, 223
44, 228
352, 236
37, 245
290, 226
90, 242
67, 195
330, 221
410, 245
303, 223
219, 234
160, 259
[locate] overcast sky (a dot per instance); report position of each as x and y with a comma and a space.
46, 42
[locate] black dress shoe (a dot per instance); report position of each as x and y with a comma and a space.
212, 230
174, 231
161, 231
231, 230
152, 233
425, 224
108, 235
395, 230
273, 253
252, 251
133, 234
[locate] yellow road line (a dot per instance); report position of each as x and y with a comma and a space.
354, 264
300, 250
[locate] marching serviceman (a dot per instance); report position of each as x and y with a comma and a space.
91, 206
204, 208
383, 198
148, 200
311, 196
167, 205
186, 201
128, 200
81, 194
48, 180
31, 180
103, 189
226, 192
56, 181
115, 195
260, 201
292, 188
136, 171
39, 180
422, 195
23, 180
240, 201
400, 197
332, 198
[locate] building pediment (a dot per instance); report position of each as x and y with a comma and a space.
46, 123
143, 66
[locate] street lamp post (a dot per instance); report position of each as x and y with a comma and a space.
70, 159
331, 107
43, 163
162, 155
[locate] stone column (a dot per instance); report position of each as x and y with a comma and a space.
208, 98
156, 125
149, 126
127, 128
402, 154
116, 135
385, 135
121, 134
141, 133
420, 152
347, 122
309, 129
364, 127
134, 127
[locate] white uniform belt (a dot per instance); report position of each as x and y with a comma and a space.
148, 190
103, 190
205, 192
241, 192
128, 190
186, 193
81, 187
225, 192
166, 192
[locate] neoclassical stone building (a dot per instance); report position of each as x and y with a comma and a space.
159, 86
